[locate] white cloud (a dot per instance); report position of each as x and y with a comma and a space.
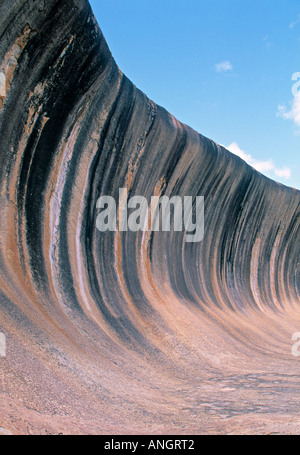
223, 66
294, 113
285, 173
267, 166
292, 24
268, 42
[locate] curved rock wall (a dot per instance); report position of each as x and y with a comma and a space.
125, 331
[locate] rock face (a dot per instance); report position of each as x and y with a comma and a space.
134, 332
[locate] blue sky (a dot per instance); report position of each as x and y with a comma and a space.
224, 67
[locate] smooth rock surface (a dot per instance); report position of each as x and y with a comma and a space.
131, 332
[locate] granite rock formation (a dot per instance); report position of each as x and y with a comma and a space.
128, 332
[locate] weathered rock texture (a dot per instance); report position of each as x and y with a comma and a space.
131, 332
